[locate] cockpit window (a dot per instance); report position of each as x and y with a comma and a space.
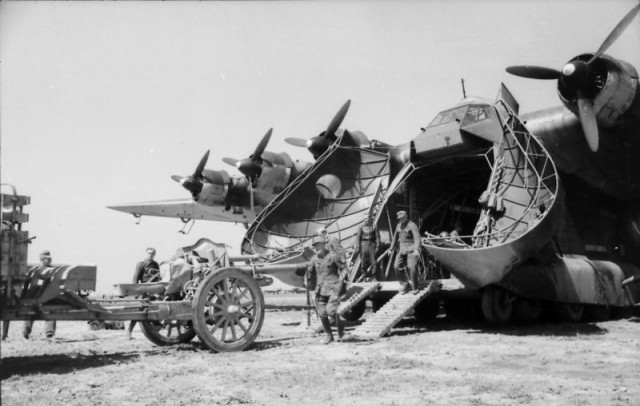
449, 116
477, 113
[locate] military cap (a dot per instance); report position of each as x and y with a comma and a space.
317, 240
45, 254
401, 214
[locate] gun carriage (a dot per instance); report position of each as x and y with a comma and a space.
218, 297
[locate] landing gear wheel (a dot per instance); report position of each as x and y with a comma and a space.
168, 332
497, 304
527, 310
229, 310
571, 312
427, 310
598, 313
355, 312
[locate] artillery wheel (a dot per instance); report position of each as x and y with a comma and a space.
355, 312
497, 304
229, 310
427, 310
168, 332
527, 310
571, 312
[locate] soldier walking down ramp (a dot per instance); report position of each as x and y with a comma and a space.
35, 273
324, 268
367, 245
407, 237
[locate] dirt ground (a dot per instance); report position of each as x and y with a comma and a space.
444, 362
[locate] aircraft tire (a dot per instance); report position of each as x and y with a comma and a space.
570, 312
527, 310
597, 313
229, 310
497, 304
168, 332
355, 312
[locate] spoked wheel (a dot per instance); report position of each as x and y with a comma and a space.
497, 304
168, 332
229, 310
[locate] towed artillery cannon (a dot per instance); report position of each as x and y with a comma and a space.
219, 299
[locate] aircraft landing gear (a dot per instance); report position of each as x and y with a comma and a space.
571, 312
527, 310
497, 304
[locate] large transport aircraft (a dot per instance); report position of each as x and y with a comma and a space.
545, 205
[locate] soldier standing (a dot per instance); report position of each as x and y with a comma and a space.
408, 238
146, 271
367, 245
324, 267
38, 271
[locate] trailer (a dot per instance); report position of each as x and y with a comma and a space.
209, 293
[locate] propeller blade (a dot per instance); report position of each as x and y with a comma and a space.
296, 142
589, 122
337, 120
262, 146
231, 161
534, 72
617, 31
201, 164
177, 178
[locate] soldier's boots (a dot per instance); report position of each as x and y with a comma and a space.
327, 329
340, 327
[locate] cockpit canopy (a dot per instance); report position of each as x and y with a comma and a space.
466, 114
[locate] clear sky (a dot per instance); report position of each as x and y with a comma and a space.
101, 102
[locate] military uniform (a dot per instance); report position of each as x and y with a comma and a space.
35, 273
324, 268
406, 264
368, 239
146, 271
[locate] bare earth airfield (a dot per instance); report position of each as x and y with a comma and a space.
445, 362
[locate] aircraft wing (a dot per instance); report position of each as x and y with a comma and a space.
186, 209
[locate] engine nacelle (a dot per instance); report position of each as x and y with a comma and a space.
613, 86
215, 187
329, 186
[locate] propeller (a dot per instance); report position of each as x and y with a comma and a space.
193, 183
251, 167
579, 77
317, 145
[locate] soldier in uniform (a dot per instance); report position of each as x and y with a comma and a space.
147, 270
407, 237
332, 243
40, 270
324, 268
367, 245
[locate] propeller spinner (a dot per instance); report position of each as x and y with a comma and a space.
580, 78
251, 167
193, 183
317, 145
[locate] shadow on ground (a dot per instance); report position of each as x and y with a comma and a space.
61, 363
556, 329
